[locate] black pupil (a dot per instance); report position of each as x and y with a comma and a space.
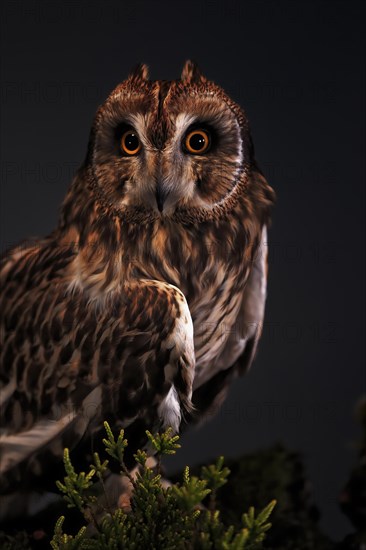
197, 142
131, 141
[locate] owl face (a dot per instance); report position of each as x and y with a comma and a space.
161, 146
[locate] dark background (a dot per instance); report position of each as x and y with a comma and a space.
297, 69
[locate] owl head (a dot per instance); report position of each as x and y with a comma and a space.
169, 148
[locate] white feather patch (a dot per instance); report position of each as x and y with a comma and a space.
169, 410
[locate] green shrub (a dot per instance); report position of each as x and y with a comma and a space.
160, 517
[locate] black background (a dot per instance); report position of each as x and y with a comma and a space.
297, 68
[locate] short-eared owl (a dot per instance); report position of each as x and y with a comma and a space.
149, 295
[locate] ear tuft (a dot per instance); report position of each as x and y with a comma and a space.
191, 73
139, 73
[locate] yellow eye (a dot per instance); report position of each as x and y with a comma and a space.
197, 142
130, 143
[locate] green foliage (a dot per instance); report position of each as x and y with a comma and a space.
191, 492
215, 476
75, 484
67, 541
274, 473
165, 443
115, 448
160, 517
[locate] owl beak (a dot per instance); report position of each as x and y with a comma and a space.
160, 196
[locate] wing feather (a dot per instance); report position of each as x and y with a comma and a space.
18, 447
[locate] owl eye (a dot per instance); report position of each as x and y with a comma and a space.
197, 142
130, 143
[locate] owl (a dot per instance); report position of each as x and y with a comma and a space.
147, 299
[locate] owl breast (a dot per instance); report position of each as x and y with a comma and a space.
210, 265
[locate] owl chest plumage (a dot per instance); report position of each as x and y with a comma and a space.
210, 264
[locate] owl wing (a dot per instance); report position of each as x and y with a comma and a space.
41, 397
68, 363
239, 351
